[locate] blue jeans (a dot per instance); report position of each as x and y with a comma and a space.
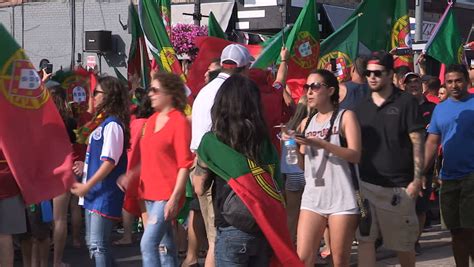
235, 248
157, 244
98, 230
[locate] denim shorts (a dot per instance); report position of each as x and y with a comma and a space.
235, 248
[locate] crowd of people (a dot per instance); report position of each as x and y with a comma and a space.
369, 154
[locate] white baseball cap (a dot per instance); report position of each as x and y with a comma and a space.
236, 53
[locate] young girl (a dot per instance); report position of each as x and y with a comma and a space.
329, 197
106, 160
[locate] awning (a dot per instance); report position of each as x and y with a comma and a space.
222, 11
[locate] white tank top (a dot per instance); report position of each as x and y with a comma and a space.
329, 188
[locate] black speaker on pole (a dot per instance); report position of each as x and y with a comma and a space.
98, 41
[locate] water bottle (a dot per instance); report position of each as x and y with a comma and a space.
291, 153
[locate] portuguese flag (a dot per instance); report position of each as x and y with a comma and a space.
445, 44
157, 40
258, 190
33, 137
343, 46
303, 45
214, 29
138, 61
401, 33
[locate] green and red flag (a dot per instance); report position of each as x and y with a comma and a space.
271, 50
258, 188
376, 23
164, 7
138, 62
400, 36
33, 136
157, 40
445, 43
342, 46
303, 45
213, 27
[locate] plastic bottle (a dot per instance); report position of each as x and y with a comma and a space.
291, 153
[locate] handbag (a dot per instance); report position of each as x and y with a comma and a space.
237, 214
365, 218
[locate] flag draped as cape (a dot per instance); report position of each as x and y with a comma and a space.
258, 190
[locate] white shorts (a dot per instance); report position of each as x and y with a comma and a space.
354, 211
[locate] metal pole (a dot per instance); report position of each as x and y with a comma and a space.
13, 21
418, 29
197, 13
22, 25
73, 32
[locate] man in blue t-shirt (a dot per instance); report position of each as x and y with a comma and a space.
452, 126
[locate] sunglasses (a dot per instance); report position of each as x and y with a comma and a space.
156, 90
96, 92
377, 73
314, 86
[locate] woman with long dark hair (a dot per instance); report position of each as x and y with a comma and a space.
106, 160
238, 158
329, 196
165, 159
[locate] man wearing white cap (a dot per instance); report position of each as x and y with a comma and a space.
235, 58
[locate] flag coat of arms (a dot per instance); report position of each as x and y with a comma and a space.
33, 136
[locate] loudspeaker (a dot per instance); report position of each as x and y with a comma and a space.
98, 41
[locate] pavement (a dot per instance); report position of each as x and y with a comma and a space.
435, 242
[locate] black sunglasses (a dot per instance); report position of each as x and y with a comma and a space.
96, 92
156, 90
314, 86
377, 73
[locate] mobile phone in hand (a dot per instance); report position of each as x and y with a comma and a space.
403, 51
49, 68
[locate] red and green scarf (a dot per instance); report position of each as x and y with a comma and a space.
83, 132
257, 188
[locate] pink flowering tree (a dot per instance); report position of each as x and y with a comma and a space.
182, 38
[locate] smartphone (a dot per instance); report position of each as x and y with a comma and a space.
333, 64
300, 135
49, 68
403, 51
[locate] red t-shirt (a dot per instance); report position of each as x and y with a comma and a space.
432, 98
162, 154
471, 90
8, 186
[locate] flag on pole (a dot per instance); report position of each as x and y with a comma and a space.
303, 45
342, 46
375, 24
165, 11
157, 40
400, 36
33, 136
271, 49
138, 61
213, 27
445, 44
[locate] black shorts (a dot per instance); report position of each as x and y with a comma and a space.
36, 228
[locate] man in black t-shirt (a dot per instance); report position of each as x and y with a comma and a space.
391, 163
413, 86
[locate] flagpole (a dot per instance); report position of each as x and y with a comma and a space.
419, 10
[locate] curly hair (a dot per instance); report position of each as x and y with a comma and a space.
174, 86
116, 103
237, 117
59, 96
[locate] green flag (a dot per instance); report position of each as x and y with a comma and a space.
271, 50
341, 46
164, 7
138, 62
213, 27
156, 38
445, 44
376, 23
